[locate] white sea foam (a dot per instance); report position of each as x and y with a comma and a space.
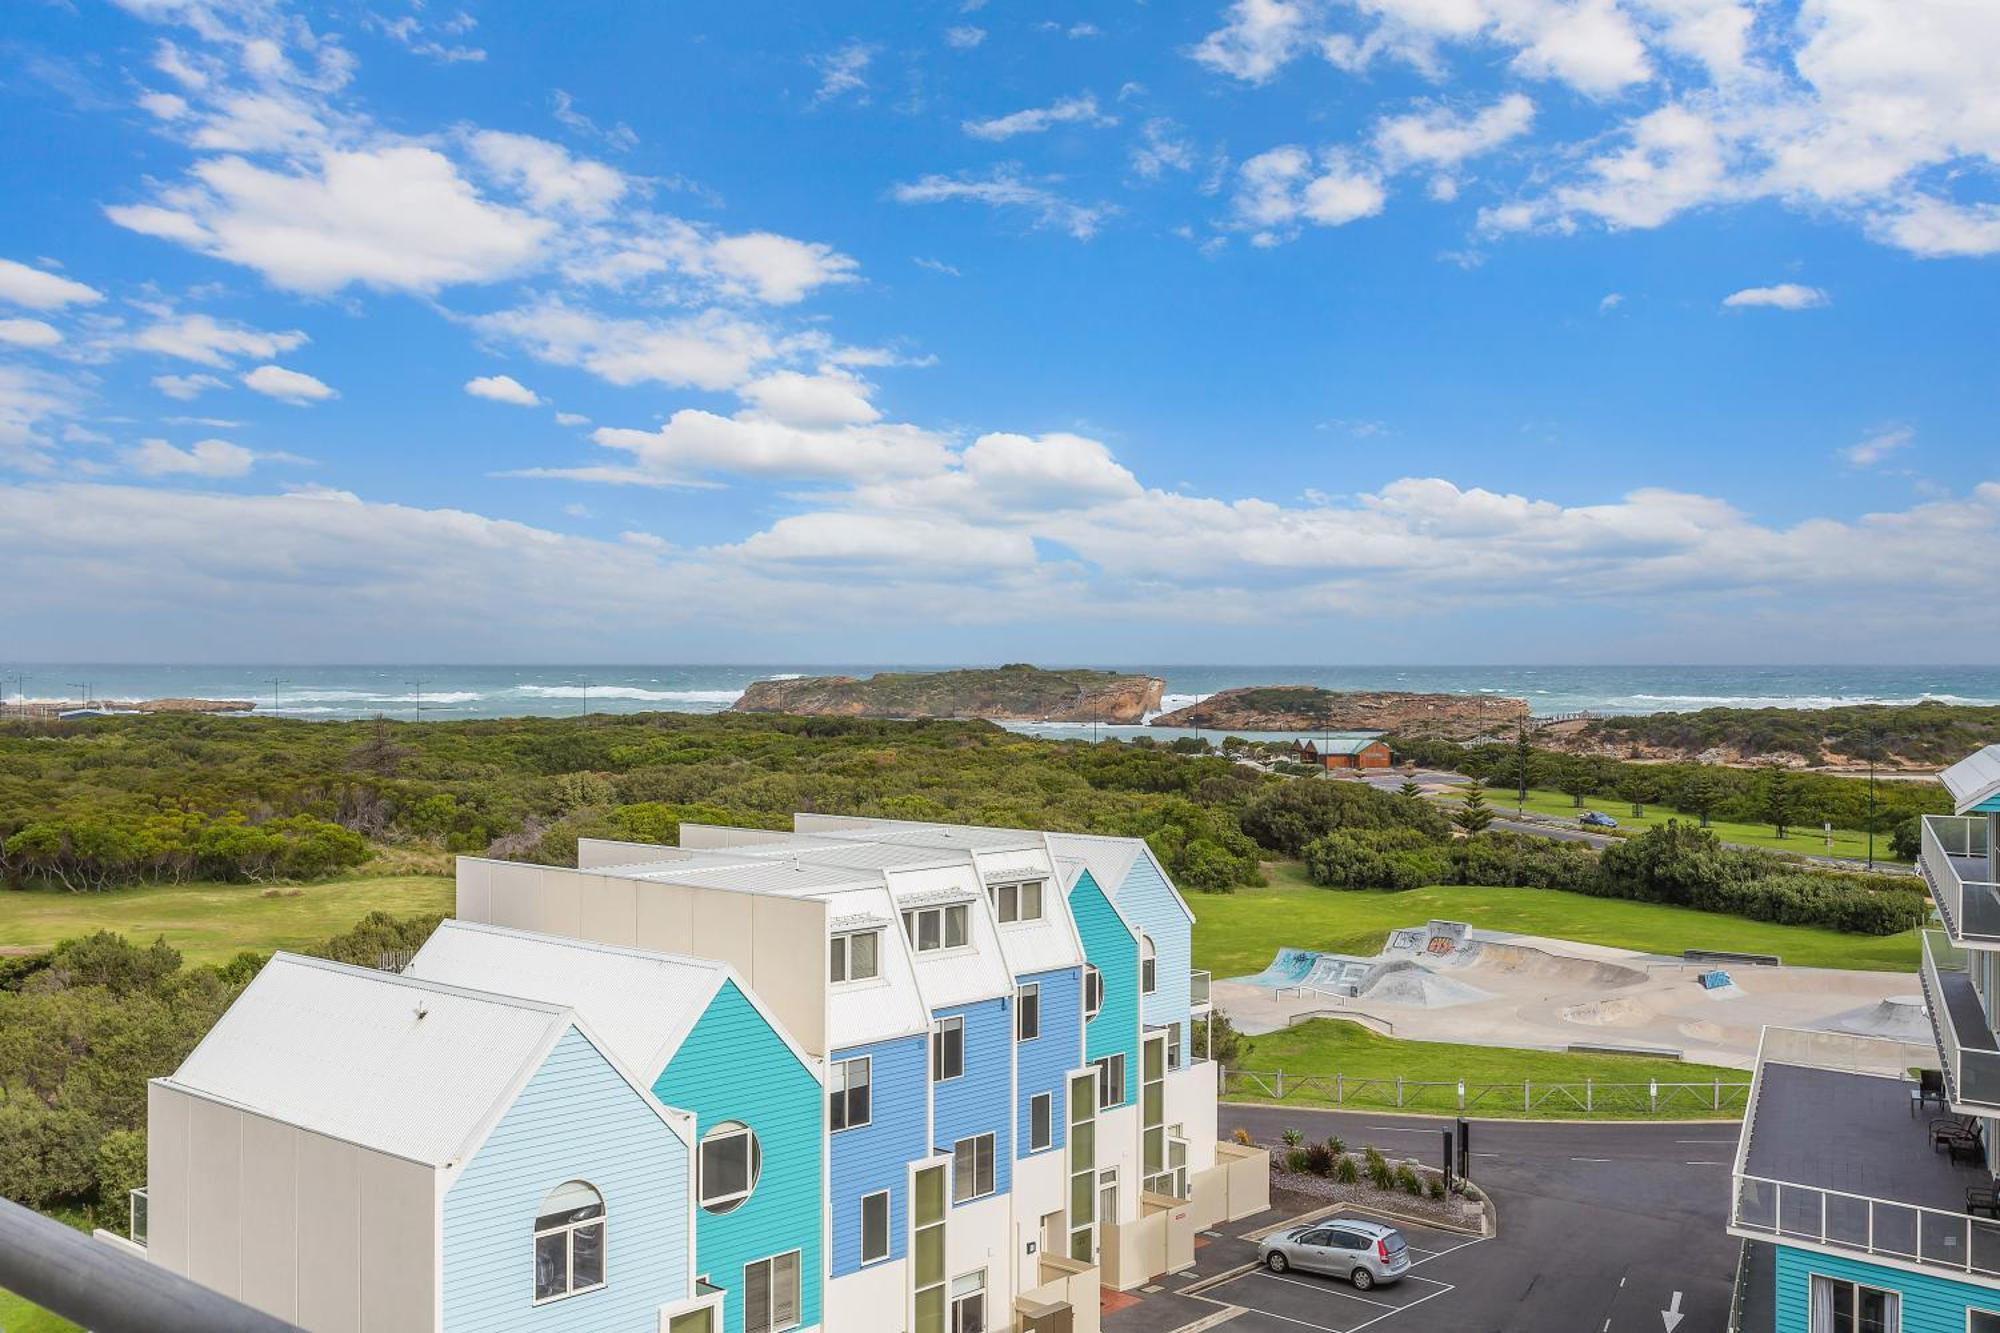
1678, 702
629, 692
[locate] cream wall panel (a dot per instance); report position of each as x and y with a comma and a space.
214, 1196
608, 913
399, 1244
665, 917
561, 906
166, 1177
788, 965
329, 1235
270, 1209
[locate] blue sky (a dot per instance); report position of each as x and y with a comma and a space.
1361, 330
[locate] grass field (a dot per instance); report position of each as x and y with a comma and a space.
1370, 1063
1804, 841
17, 1316
1236, 933
211, 923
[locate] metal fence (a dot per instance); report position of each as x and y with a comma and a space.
1590, 1097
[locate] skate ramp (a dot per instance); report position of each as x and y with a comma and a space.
1288, 968
1619, 1011
1336, 974
1900, 1017
1518, 962
1410, 983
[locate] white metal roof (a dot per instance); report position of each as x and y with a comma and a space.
640, 1003
405, 1066
1974, 778
891, 1005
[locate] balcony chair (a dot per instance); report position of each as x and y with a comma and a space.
1929, 1089
1982, 1199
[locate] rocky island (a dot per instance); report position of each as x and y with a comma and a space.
1455, 717
1013, 693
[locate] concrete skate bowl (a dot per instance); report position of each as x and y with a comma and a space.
1900, 1018
1518, 962
1415, 986
1622, 1011
1288, 968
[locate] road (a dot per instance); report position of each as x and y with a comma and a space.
1599, 1224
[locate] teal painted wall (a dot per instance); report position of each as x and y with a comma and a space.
1930, 1304
576, 1119
1114, 951
733, 1066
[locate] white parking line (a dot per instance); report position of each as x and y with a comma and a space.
1443, 1287
1707, 1164
1316, 1286
1592, 1159
1442, 1253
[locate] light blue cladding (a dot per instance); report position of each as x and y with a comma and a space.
875, 1156
1042, 1064
1930, 1304
1151, 904
576, 1119
734, 1066
1109, 945
976, 1102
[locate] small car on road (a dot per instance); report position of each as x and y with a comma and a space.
1597, 819
1365, 1253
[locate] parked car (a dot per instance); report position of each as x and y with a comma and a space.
1364, 1253
1597, 819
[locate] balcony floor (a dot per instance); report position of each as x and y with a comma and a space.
1964, 1012
1854, 1133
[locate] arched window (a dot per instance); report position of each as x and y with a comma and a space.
1149, 966
1093, 990
731, 1161
569, 1241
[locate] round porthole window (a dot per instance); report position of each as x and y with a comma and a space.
731, 1161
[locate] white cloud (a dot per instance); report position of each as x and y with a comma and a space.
204, 458
778, 269
164, 106
572, 419
502, 389
547, 176
1438, 136
1005, 187
287, 386
1879, 446
1080, 110
694, 443
1258, 38
1161, 149
1784, 296
842, 71
397, 218
829, 398
937, 266
208, 341
187, 388
711, 350
29, 333
621, 137
964, 36
28, 399
1611, 301
1283, 187
39, 290
887, 542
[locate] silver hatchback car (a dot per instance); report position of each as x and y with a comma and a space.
1364, 1253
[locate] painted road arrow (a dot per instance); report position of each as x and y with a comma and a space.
1672, 1316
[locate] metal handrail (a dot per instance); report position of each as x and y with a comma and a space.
1198, 987
1928, 1230
104, 1288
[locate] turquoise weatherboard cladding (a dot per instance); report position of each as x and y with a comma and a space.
1151, 904
576, 1119
734, 1066
1930, 1304
1109, 944
875, 1156
976, 1102
1041, 1065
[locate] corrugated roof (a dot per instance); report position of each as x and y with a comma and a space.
1345, 744
765, 875
406, 1066
889, 1006
639, 1003
1973, 779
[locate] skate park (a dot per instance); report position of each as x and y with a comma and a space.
1446, 981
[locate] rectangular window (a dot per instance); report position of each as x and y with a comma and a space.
1847, 1307
1110, 1080
847, 1090
947, 1049
1173, 1045
1041, 1121
771, 1294
729, 1166
1028, 1011
874, 1227
972, 1168
853, 957
927, 1211
694, 1321
1016, 902
968, 1303
1982, 1321
1093, 991
933, 928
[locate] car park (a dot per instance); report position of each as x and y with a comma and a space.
1365, 1253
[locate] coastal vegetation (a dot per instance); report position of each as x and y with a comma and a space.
1922, 735
1805, 839
1016, 691
1310, 708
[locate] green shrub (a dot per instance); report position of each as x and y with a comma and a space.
1336, 1145
1347, 1173
1292, 1137
1296, 1162
1407, 1180
1379, 1174
1436, 1187
1319, 1160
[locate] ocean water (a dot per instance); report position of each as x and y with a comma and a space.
432, 692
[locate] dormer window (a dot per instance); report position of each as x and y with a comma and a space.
933, 928
1016, 900
855, 956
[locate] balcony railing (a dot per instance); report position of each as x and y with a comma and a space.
1929, 1237
1198, 989
137, 1225
1953, 864
1964, 1034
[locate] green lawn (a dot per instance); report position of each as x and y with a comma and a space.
17, 1316
211, 923
1237, 933
1370, 1063
1804, 841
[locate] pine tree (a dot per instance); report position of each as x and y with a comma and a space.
1410, 790
1474, 815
